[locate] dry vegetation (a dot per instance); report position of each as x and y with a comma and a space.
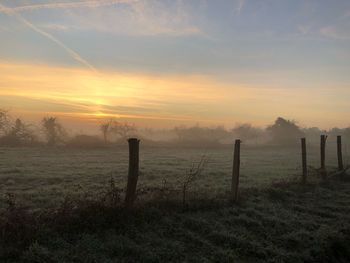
286, 222
276, 219
41, 177
61, 202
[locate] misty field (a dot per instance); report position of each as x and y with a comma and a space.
276, 219
41, 177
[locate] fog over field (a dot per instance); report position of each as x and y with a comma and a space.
62, 195
43, 177
174, 131
43, 163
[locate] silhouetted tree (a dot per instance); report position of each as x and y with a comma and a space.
22, 133
53, 130
247, 132
347, 133
336, 131
284, 131
313, 134
313, 131
105, 128
4, 122
19, 134
198, 135
123, 130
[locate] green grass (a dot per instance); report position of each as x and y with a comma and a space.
42, 177
283, 223
62, 208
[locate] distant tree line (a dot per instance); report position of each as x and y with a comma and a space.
282, 132
15, 133
50, 132
119, 130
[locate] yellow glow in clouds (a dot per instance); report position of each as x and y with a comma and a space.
167, 100
78, 92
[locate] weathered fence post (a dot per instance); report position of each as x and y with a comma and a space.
304, 160
133, 175
340, 154
235, 170
323, 156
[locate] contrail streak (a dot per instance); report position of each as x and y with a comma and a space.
80, 4
71, 52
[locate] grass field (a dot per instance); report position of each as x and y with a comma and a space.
283, 223
42, 177
276, 220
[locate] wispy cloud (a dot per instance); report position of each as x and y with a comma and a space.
157, 18
58, 27
139, 17
335, 32
65, 5
71, 91
71, 52
134, 17
117, 93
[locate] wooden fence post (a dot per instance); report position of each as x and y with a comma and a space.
304, 160
235, 170
340, 154
133, 175
323, 156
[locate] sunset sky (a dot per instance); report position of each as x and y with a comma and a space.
169, 62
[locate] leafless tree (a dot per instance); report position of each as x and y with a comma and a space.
123, 130
247, 132
53, 130
105, 128
4, 121
21, 133
192, 175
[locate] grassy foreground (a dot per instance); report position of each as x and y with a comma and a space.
41, 176
286, 222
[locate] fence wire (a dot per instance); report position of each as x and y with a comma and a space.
43, 174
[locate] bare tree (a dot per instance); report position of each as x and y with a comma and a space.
105, 128
123, 130
192, 175
4, 121
53, 130
247, 132
21, 133
113, 127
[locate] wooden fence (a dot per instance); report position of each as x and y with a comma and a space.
134, 166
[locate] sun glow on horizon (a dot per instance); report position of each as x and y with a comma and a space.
167, 100
76, 91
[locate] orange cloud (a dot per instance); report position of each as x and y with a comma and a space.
42, 88
163, 100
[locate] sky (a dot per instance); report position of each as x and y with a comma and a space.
163, 63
